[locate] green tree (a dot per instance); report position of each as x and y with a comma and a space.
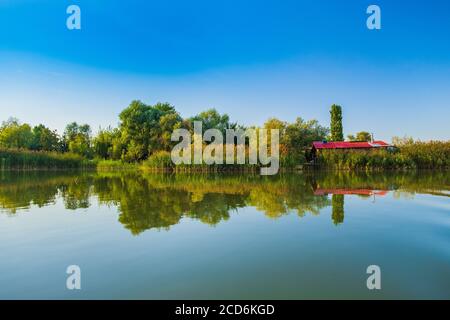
118, 147
45, 139
274, 123
169, 120
146, 129
337, 203
77, 139
336, 123
300, 134
103, 143
360, 136
15, 135
168, 123
211, 119
402, 141
296, 138
137, 123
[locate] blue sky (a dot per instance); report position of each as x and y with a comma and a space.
250, 59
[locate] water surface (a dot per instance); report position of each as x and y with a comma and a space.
293, 236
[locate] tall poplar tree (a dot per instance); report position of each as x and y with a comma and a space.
337, 133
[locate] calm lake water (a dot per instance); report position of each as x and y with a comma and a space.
294, 236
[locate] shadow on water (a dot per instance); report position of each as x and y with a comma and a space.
161, 200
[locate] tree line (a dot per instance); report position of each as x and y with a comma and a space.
144, 130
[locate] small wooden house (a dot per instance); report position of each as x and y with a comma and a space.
317, 146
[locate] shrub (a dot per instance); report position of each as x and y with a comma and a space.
28, 160
159, 159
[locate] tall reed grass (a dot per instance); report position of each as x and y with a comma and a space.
161, 161
31, 160
115, 165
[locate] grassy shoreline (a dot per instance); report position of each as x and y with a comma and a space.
11, 159
415, 156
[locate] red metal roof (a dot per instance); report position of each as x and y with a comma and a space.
366, 192
349, 145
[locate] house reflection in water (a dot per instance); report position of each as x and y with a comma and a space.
337, 199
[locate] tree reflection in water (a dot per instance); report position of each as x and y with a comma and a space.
160, 201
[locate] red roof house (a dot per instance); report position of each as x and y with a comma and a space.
363, 192
349, 145
344, 145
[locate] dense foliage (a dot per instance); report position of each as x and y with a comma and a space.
360, 136
337, 130
412, 155
159, 201
296, 138
25, 159
144, 135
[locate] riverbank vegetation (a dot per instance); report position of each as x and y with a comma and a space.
13, 159
409, 155
143, 136
142, 139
